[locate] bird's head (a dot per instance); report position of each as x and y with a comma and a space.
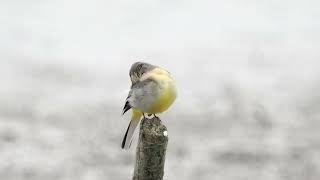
138, 69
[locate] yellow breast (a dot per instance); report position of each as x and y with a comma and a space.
166, 96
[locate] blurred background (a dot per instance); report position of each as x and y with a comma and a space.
247, 73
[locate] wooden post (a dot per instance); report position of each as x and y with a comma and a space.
151, 150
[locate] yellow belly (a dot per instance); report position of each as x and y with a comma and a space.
167, 94
165, 99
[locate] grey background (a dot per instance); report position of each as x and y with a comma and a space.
247, 74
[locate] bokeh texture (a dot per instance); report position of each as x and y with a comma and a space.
248, 77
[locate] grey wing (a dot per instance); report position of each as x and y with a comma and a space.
143, 94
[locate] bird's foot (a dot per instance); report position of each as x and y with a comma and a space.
149, 115
144, 116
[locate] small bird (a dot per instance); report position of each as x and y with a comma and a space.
152, 91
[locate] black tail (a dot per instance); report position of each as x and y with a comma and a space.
125, 137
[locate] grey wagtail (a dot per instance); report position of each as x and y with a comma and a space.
152, 92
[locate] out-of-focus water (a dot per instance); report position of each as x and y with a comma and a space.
247, 75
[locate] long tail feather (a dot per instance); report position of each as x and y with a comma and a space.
127, 139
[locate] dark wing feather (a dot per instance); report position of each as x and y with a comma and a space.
126, 107
136, 85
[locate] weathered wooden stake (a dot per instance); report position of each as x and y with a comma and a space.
151, 150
